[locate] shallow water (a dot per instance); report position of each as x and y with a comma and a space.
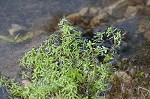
28, 13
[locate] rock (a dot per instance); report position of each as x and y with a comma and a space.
101, 19
120, 20
84, 11
116, 6
131, 11
74, 16
94, 10
25, 83
103, 16
146, 10
148, 3
95, 21
136, 2
14, 28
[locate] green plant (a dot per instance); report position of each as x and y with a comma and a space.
66, 66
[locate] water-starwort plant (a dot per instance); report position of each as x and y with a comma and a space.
66, 66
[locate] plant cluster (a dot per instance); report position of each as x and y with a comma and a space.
66, 66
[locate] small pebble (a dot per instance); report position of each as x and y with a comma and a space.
25, 83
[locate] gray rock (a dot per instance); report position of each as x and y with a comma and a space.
74, 16
25, 83
131, 11
94, 10
146, 10
136, 2
83, 11
103, 15
15, 27
116, 6
148, 3
94, 21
